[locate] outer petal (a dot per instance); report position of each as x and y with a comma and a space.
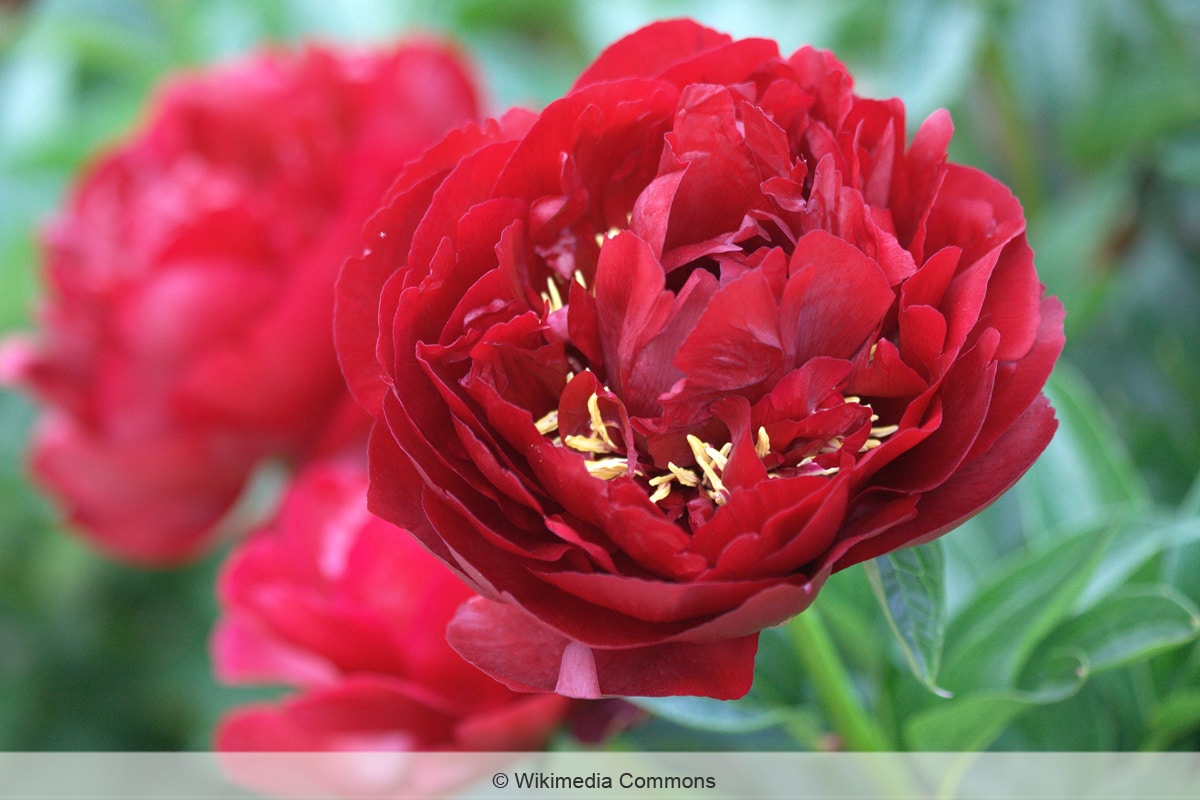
515, 649
972, 488
650, 50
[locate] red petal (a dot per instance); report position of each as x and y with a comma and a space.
835, 299
923, 339
928, 285
720, 182
729, 64
650, 50
772, 606
523, 724
152, 501
735, 346
516, 650
242, 652
1013, 296
387, 238
777, 528
970, 489
361, 714
631, 303
884, 374
919, 180
966, 394
658, 601
1017, 385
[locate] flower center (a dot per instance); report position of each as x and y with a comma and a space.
597, 445
822, 442
606, 458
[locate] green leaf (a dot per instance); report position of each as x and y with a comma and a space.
1191, 503
1073, 240
1131, 624
1091, 720
704, 713
1135, 542
1151, 104
1175, 717
910, 586
1181, 160
973, 720
1085, 476
995, 632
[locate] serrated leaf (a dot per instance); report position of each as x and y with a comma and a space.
910, 586
1131, 624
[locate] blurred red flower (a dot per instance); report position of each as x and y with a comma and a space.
186, 332
353, 611
649, 366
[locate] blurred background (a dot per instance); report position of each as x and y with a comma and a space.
1088, 109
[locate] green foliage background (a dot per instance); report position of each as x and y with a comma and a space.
1063, 618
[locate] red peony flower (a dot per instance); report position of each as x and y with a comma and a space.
649, 366
187, 331
354, 611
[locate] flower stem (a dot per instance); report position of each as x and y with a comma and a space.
817, 654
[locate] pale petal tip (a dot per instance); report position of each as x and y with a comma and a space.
577, 676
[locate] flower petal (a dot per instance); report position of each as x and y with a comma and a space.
516, 650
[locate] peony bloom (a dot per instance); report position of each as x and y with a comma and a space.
186, 333
649, 366
354, 611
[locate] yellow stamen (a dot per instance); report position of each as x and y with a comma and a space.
599, 426
661, 493
833, 445
719, 457
884, 430
685, 476
610, 233
852, 398
869, 444
607, 468
586, 444
547, 424
705, 463
578, 276
553, 297
762, 445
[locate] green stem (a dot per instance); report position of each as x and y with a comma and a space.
822, 665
